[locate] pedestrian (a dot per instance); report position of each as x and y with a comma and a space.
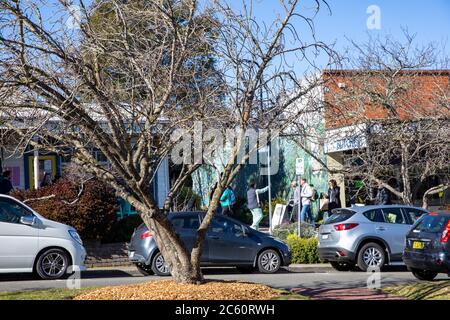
5, 183
306, 194
334, 196
227, 200
294, 202
314, 206
383, 196
253, 203
46, 180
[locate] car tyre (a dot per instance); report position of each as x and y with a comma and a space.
145, 269
159, 266
342, 266
269, 261
371, 255
52, 264
245, 269
424, 274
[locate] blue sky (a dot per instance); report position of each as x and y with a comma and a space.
430, 19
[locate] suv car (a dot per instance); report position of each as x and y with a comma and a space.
228, 243
369, 236
427, 250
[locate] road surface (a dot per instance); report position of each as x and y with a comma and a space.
283, 279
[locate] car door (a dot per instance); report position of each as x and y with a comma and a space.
396, 227
228, 243
186, 227
18, 242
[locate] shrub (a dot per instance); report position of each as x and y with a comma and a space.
122, 229
303, 250
92, 214
284, 230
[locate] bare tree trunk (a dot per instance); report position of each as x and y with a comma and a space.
431, 191
173, 250
406, 194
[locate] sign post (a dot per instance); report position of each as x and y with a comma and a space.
299, 171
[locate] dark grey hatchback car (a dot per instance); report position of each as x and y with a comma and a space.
228, 243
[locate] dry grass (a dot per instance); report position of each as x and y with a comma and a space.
170, 290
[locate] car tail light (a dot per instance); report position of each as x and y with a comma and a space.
445, 237
344, 226
146, 234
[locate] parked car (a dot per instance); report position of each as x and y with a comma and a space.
228, 242
31, 243
427, 250
367, 236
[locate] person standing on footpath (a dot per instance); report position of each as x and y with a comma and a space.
253, 203
5, 183
294, 203
334, 196
306, 194
227, 200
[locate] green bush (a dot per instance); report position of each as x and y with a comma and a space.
282, 231
122, 229
303, 250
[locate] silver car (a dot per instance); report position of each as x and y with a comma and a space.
31, 243
367, 236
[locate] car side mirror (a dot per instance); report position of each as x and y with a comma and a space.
28, 220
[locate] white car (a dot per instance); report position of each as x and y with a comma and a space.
31, 243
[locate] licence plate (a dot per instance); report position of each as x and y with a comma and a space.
418, 245
325, 236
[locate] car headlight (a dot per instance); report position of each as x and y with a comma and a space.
75, 236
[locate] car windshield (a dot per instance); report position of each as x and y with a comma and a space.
431, 223
339, 215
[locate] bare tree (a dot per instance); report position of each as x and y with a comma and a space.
394, 93
128, 91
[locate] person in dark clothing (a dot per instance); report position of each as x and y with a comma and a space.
5, 183
334, 196
383, 196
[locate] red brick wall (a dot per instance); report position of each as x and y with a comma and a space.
417, 94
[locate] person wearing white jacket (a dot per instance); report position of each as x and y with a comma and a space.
306, 194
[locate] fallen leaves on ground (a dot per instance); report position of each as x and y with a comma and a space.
170, 290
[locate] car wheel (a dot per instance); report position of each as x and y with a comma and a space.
245, 269
371, 255
342, 266
269, 261
145, 269
159, 265
52, 264
424, 274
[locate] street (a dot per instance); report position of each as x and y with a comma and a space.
283, 279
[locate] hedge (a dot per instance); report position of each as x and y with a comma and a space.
93, 214
303, 250
284, 230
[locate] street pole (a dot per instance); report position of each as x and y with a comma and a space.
299, 209
270, 189
36, 169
